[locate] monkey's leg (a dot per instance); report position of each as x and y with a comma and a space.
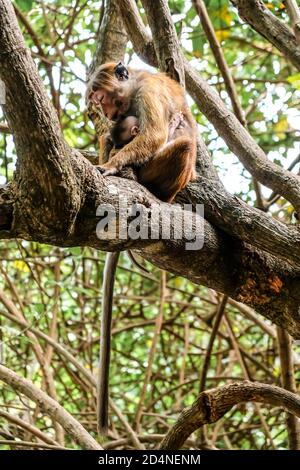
111, 263
170, 169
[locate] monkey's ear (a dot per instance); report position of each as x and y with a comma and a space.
134, 130
121, 72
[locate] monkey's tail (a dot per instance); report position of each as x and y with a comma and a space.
136, 263
109, 272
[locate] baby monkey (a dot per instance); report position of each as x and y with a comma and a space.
124, 131
127, 127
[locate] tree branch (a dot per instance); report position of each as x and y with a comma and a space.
294, 14
216, 48
255, 13
112, 37
51, 407
212, 404
38, 142
288, 382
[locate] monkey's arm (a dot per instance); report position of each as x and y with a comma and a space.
137, 152
105, 148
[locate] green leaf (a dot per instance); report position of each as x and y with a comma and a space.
294, 80
25, 5
75, 251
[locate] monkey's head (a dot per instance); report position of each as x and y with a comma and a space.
107, 88
124, 130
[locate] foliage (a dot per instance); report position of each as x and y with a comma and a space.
59, 291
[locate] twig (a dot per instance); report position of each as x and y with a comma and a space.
217, 322
158, 325
288, 382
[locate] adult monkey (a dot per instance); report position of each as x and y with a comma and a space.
163, 167
154, 99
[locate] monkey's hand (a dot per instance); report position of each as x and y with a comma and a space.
107, 169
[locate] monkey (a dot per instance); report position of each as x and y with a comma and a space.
162, 148
154, 99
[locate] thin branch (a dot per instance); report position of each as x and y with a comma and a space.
214, 331
257, 15
220, 59
28, 427
51, 407
294, 14
288, 382
33, 445
158, 325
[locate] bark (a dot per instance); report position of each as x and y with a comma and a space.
112, 38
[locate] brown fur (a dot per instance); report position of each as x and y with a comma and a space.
164, 168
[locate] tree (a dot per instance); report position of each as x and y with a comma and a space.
248, 255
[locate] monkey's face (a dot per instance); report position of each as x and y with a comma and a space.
107, 101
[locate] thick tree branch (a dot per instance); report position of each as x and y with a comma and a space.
112, 37
212, 404
247, 223
257, 15
39, 143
